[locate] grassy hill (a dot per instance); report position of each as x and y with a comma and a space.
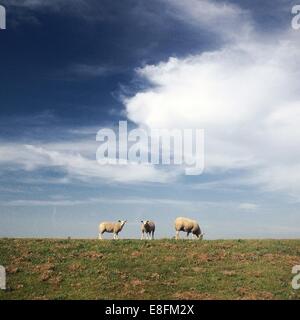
159, 269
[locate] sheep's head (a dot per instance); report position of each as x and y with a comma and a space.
122, 222
145, 222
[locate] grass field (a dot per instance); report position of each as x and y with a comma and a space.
159, 269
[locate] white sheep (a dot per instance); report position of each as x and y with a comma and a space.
189, 226
111, 227
148, 227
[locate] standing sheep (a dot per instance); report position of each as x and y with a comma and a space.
147, 227
111, 227
188, 226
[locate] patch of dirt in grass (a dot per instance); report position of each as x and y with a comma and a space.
12, 269
208, 257
19, 286
155, 275
224, 246
123, 275
170, 246
45, 276
247, 294
190, 295
244, 257
220, 255
24, 256
202, 257
55, 281
62, 246
136, 254
256, 274
198, 269
136, 282
93, 255
273, 258
135, 287
76, 267
229, 273
169, 258
45, 271
40, 298
45, 267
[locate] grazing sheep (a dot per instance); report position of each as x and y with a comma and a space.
147, 227
188, 226
111, 227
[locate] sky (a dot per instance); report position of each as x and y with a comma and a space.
72, 67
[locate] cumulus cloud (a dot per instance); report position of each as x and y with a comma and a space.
246, 95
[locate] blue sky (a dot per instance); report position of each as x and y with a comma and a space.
69, 68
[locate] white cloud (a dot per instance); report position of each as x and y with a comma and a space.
122, 201
216, 16
185, 204
246, 95
78, 160
248, 206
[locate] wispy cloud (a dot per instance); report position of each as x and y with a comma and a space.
248, 206
219, 17
185, 204
78, 161
92, 71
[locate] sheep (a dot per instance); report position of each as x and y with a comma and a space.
188, 226
147, 227
111, 227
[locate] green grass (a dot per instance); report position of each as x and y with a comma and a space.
159, 269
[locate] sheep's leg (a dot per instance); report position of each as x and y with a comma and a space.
177, 235
152, 235
143, 235
187, 235
100, 236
